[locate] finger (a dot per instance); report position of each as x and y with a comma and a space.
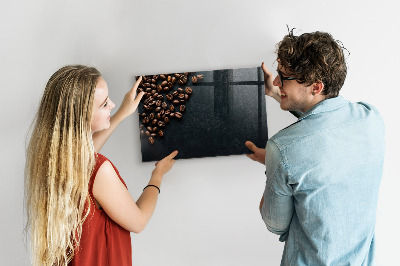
139, 97
156, 163
265, 69
251, 146
136, 85
172, 155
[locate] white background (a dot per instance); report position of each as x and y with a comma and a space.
208, 208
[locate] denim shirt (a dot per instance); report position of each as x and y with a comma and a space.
323, 176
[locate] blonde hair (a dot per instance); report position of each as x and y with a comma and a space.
59, 161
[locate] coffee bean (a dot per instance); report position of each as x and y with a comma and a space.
143, 115
169, 97
154, 122
153, 86
158, 102
177, 75
194, 79
172, 115
148, 90
166, 88
174, 93
161, 124
171, 107
164, 105
182, 108
169, 78
163, 77
151, 140
175, 101
166, 119
147, 84
180, 90
147, 133
155, 129
150, 129
161, 133
164, 83
160, 97
159, 88
158, 116
173, 79
167, 112
186, 97
182, 80
178, 115
181, 96
153, 135
153, 91
170, 85
146, 120
188, 90
153, 80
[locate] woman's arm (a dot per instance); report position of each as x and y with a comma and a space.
128, 106
116, 201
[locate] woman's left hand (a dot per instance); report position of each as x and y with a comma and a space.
130, 102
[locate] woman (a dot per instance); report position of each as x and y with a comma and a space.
78, 207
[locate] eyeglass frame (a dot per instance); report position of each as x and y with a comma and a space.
282, 78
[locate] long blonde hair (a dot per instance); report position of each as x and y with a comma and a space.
59, 161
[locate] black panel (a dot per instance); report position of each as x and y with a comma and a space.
226, 108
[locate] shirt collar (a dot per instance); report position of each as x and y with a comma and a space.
325, 106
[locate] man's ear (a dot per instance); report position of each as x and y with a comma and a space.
317, 88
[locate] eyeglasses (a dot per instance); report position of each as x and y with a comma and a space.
282, 78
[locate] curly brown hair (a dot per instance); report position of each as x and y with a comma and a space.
314, 57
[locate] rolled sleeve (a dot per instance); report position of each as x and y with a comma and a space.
277, 208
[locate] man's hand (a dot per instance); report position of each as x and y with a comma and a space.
258, 155
270, 89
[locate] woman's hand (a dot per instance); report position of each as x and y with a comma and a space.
130, 102
258, 155
270, 89
163, 166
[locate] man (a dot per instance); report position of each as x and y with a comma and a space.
323, 171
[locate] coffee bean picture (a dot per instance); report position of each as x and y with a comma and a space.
201, 114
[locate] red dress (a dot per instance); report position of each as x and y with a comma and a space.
103, 241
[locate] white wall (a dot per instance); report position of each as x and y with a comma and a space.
208, 208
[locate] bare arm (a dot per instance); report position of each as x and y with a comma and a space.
116, 201
128, 106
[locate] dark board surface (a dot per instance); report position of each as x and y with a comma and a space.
226, 108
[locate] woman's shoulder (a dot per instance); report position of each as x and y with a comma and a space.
105, 167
